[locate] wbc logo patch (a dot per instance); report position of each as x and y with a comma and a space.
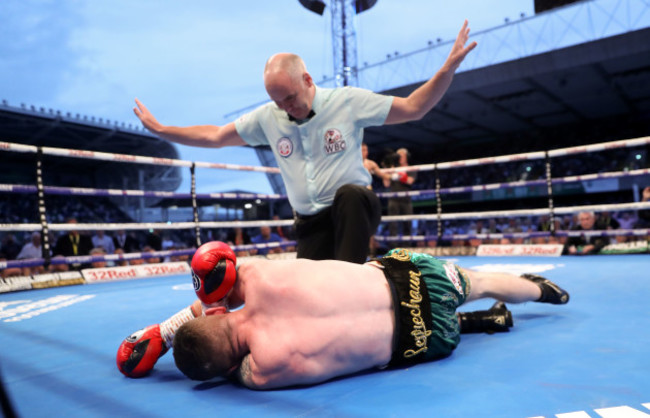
334, 141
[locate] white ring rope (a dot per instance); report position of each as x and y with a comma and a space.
87, 259
128, 158
288, 222
520, 212
518, 183
88, 191
538, 155
638, 232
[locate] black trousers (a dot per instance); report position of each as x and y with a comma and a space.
400, 206
342, 231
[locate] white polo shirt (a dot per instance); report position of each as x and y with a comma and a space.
324, 153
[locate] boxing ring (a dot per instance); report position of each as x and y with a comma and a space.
586, 359
58, 345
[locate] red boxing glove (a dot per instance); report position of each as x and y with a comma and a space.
213, 271
403, 177
140, 351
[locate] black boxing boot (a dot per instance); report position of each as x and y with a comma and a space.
551, 293
496, 319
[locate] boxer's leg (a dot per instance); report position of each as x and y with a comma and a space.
509, 287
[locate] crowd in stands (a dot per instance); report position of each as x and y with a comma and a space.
18, 245
622, 159
28, 245
23, 208
509, 225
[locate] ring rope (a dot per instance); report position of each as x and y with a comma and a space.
87, 259
533, 234
518, 183
290, 222
521, 212
26, 227
129, 158
537, 155
87, 191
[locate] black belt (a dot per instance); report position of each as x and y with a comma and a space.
305, 217
315, 215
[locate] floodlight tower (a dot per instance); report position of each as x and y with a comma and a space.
344, 36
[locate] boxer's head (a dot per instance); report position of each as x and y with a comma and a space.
203, 348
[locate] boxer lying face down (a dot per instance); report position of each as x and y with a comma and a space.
304, 322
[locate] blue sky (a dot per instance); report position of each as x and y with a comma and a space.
194, 62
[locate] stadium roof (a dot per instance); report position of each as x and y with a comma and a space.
47, 127
591, 92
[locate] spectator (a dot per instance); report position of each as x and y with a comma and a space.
285, 233
32, 249
400, 181
644, 215
150, 260
513, 227
10, 247
137, 261
476, 228
126, 242
567, 223
528, 225
167, 242
121, 262
57, 268
606, 221
10, 271
374, 170
372, 166
237, 236
73, 243
266, 236
583, 245
493, 228
626, 220
154, 241
98, 251
100, 239
544, 223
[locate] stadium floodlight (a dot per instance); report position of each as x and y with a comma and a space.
318, 6
344, 40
